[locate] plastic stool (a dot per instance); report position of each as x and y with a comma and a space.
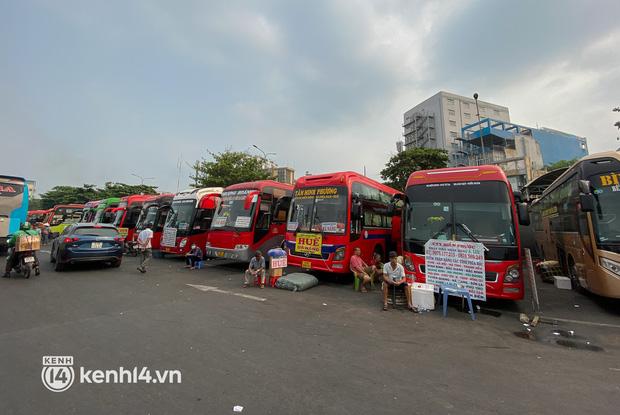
356, 283
456, 291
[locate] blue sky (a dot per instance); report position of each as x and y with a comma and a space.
96, 91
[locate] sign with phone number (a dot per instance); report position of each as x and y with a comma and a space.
308, 243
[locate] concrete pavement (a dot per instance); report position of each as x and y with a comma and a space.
328, 350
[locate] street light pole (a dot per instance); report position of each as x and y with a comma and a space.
479, 125
265, 155
142, 179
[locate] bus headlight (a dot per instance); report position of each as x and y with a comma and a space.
241, 246
512, 274
610, 265
339, 255
408, 264
183, 243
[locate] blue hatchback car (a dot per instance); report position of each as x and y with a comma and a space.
87, 242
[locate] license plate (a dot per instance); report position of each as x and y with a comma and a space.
306, 264
96, 245
219, 253
29, 259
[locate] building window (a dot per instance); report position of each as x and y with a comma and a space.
453, 134
450, 101
466, 115
465, 104
451, 112
452, 123
496, 112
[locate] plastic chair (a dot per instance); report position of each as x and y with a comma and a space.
451, 289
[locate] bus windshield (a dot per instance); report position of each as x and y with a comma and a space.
606, 215
66, 215
118, 216
319, 209
181, 215
147, 216
472, 211
233, 213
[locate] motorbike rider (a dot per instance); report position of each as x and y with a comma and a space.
11, 260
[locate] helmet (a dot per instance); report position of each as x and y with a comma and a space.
25, 226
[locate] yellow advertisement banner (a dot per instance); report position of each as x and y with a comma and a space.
123, 232
308, 243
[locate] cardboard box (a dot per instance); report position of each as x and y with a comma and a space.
275, 272
28, 243
423, 296
563, 283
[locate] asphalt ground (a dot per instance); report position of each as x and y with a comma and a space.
328, 350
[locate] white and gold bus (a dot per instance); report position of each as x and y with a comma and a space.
577, 222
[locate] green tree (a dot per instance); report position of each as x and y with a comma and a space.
230, 167
560, 164
73, 194
401, 165
112, 189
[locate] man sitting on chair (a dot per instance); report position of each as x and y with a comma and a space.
255, 270
360, 269
193, 256
394, 277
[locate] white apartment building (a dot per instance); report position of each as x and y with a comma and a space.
437, 121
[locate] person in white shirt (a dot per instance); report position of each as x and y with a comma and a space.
394, 276
144, 246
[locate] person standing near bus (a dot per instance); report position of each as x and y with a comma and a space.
360, 269
144, 245
394, 277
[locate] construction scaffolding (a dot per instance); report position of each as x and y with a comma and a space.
501, 143
419, 130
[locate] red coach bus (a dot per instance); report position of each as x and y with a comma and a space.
473, 204
252, 216
154, 213
189, 219
127, 213
38, 216
332, 214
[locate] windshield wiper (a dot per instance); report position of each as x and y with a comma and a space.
471, 235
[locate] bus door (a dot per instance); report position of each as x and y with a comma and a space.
263, 217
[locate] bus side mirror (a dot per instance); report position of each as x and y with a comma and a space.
523, 214
586, 201
584, 186
356, 209
518, 196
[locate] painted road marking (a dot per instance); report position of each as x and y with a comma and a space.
208, 288
45, 252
